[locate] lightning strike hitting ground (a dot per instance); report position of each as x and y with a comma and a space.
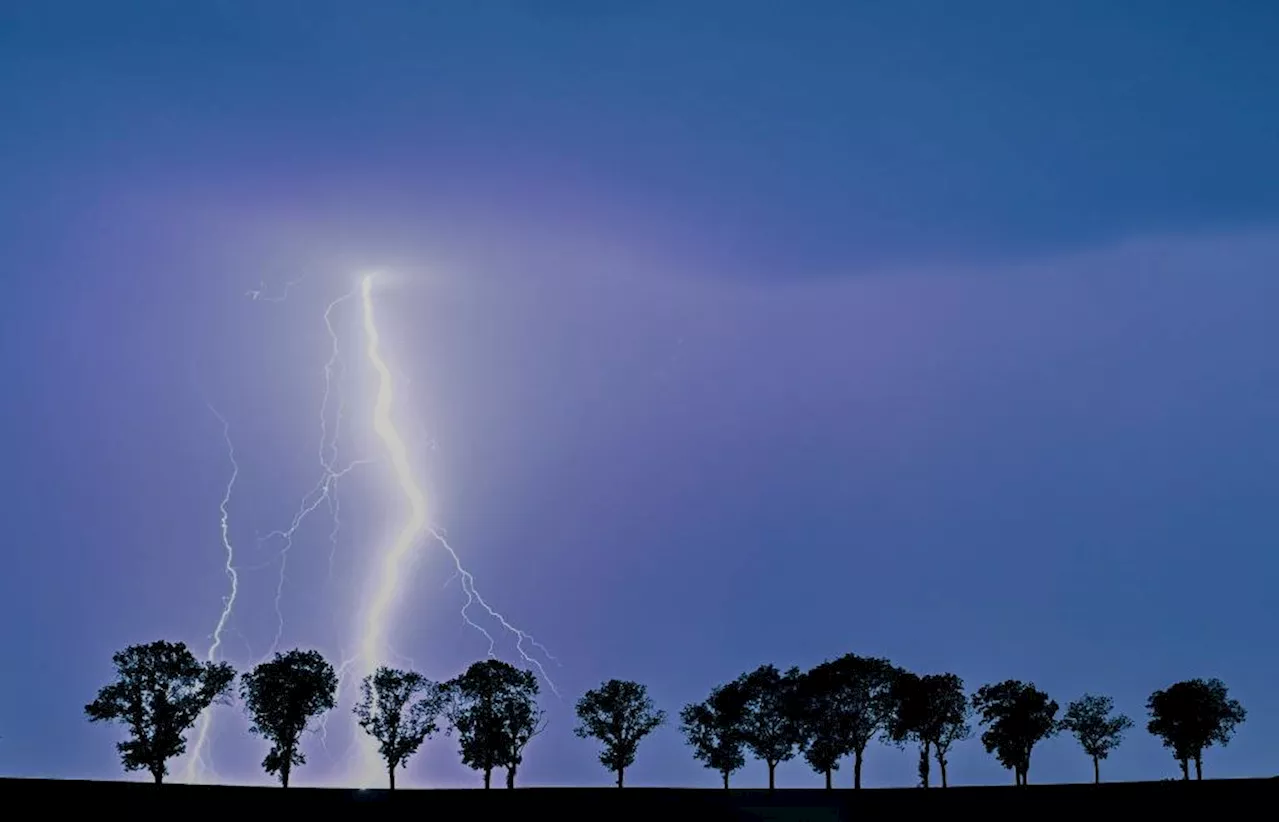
374, 646
195, 763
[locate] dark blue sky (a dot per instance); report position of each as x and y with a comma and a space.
722, 335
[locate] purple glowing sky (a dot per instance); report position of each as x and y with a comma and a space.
723, 339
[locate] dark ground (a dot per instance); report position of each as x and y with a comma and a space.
1219, 798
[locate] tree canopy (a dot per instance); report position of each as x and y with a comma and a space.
1017, 716
713, 729
932, 711
771, 721
619, 714
399, 709
1192, 715
493, 707
159, 692
820, 740
281, 697
1090, 721
859, 702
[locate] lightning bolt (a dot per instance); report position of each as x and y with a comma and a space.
374, 646
196, 764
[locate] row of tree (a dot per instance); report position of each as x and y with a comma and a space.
161, 689
833, 711
839, 707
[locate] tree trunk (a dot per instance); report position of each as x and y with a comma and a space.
857, 768
924, 765
828, 772
1197, 767
488, 777
1096, 776
619, 777
771, 766
158, 775
725, 774
284, 774
942, 766
511, 777
1185, 774
391, 772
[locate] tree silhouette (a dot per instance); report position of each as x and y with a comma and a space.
1017, 716
713, 729
282, 696
820, 739
1089, 719
399, 709
493, 707
932, 711
771, 726
1192, 715
859, 701
619, 714
159, 692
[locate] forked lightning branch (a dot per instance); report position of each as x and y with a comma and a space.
372, 624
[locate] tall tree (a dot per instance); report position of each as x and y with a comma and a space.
619, 714
493, 707
860, 702
713, 729
1017, 716
1192, 715
1089, 719
399, 709
820, 738
933, 712
281, 697
771, 726
159, 692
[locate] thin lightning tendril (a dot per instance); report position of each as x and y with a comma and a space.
260, 293
196, 764
326, 489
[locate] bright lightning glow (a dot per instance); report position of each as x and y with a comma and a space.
195, 762
373, 639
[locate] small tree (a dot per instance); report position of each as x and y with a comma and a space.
713, 729
159, 692
820, 738
933, 712
859, 701
619, 714
1017, 716
399, 709
493, 707
771, 726
1192, 715
1089, 719
281, 697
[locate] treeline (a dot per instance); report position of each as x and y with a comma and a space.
827, 714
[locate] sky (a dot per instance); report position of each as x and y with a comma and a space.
720, 335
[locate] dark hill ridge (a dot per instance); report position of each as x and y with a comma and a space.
1219, 797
